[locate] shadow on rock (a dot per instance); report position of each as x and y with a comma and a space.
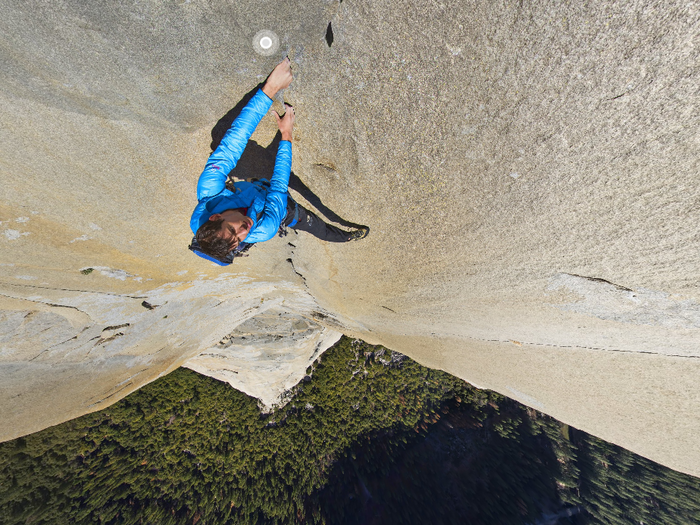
258, 162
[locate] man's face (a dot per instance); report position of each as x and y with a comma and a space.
235, 227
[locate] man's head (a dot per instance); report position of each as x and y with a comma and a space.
223, 232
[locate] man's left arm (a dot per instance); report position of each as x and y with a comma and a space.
275, 208
276, 200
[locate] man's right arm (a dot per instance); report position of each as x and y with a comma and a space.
213, 179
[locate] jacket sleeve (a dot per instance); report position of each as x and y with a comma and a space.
213, 179
275, 208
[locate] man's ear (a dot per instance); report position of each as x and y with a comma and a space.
215, 217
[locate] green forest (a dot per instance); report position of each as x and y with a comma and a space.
369, 437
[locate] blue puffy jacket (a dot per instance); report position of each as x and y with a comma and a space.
267, 206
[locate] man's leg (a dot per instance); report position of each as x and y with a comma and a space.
300, 219
309, 222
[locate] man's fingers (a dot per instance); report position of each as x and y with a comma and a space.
285, 65
289, 110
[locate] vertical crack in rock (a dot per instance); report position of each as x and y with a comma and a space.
5, 283
579, 347
128, 382
42, 352
109, 396
291, 262
599, 280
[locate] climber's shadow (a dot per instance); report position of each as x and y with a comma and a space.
258, 162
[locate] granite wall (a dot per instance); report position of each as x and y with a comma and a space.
528, 171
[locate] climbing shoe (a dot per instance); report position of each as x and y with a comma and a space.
359, 234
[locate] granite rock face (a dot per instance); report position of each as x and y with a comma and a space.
528, 170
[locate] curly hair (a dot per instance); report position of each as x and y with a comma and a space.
210, 242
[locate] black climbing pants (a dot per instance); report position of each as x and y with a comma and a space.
307, 221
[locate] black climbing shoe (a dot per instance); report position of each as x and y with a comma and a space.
359, 234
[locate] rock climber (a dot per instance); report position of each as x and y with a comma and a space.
230, 218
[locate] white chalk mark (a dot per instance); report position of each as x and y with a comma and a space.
81, 238
114, 273
454, 50
13, 235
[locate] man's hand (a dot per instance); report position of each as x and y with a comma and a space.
280, 78
286, 123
